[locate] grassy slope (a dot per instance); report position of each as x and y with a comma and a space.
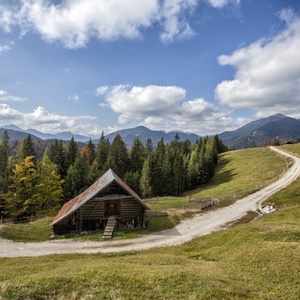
260, 260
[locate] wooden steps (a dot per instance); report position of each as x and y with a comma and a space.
109, 228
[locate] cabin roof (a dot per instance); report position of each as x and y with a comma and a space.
98, 186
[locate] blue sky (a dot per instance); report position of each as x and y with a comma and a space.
202, 66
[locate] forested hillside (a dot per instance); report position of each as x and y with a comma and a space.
32, 184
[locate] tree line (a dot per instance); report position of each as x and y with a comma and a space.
30, 186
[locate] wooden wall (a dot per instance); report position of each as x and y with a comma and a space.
92, 216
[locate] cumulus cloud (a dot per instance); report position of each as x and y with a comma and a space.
267, 76
75, 22
44, 121
162, 107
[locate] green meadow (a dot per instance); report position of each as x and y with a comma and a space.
256, 260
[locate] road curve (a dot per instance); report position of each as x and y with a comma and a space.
201, 224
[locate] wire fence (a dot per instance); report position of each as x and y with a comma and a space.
28, 219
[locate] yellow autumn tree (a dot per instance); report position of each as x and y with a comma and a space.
34, 189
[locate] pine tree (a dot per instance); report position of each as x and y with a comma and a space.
26, 148
4, 169
118, 157
137, 156
91, 152
4, 166
72, 152
148, 147
69, 186
76, 179
102, 153
157, 169
57, 153
94, 173
133, 180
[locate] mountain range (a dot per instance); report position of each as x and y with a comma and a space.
129, 135
253, 134
261, 131
16, 133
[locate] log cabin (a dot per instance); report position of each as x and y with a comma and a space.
109, 197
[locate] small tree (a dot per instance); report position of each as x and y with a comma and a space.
26, 148
145, 184
19, 198
48, 189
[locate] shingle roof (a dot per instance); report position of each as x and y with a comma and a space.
92, 191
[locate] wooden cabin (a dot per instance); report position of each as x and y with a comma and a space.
108, 197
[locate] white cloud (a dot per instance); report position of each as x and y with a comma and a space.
174, 20
163, 107
4, 48
44, 121
222, 3
75, 22
267, 74
154, 100
5, 97
74, 98
102, 90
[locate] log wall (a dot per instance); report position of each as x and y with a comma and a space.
92, 216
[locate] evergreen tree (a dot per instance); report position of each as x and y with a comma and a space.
133, 180
137, 156
94, 173
102, 153
148, 147
4, 167
72, 152
57, 153
69, 186
4, 153
91, 152
157, 169
76, 180
26, 148
118, 157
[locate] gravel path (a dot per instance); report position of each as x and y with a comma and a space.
201, 224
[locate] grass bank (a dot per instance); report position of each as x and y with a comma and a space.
242, 172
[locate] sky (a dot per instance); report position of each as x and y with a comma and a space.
200, 66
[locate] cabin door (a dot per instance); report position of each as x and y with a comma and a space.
112, 208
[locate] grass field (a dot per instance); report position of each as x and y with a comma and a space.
258, 260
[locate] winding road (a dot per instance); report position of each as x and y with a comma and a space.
201, 224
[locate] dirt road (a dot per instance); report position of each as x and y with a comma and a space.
201, 224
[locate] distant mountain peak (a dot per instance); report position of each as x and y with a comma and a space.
257, 133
